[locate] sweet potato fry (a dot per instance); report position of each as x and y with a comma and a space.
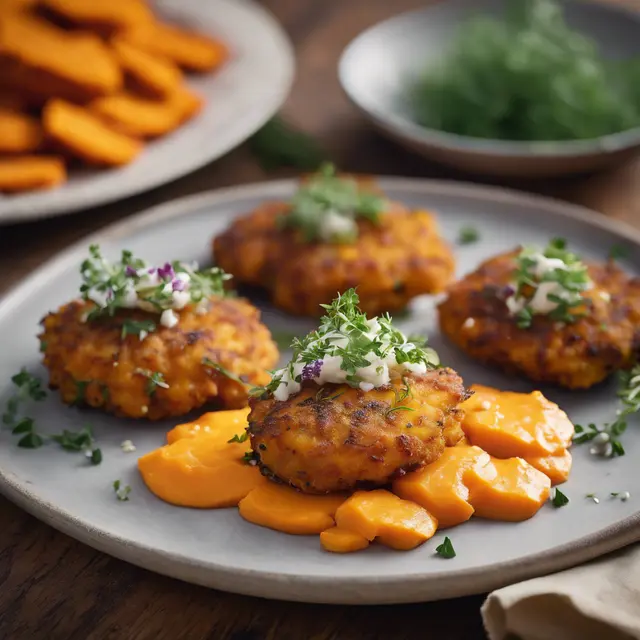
42, 58
105, 16
136, 116
19, 133
24, 173
86, 136
153, 75
187, 103
187, 49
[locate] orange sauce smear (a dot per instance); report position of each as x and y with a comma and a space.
515, 448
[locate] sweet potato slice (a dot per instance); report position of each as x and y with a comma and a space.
221, 424
380, 515
79, 131
19, 133
24, 173
105, 16
78, 67
187, 49
155, 76
556, 467
136, 116
284, 509
441, 486
507, 424
204, 471
342, 540
510, 490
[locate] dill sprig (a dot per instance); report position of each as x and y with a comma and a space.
325, 207
606, 439
570, 278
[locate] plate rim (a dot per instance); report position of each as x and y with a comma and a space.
44, 211
398, 125
326, 589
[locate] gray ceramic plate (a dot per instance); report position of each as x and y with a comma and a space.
379, 66
218, 548
240, 98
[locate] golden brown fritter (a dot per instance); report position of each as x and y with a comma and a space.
577, 355
91, 363
335, 437
390, 263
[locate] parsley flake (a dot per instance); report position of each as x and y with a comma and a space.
155, 379
29, 387
618, 252
122, 491
445, 549
326, 207
559, 499
468, 235
239, 438
140, 328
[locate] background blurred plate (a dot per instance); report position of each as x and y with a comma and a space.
217, 548
240, 98
380, 65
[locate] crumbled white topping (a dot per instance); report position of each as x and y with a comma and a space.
469, 323
169, 318
127, 446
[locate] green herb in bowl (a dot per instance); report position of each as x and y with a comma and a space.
528, 77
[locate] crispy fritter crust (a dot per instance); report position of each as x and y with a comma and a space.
91, 364
336, 437
390, 263
575, 356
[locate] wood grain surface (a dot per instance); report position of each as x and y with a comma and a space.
52, 587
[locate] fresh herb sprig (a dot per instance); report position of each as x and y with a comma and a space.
28, 388
606, 439
325, 208
155, 379
76, 441
30, 438
559, 499
468, 235
131, 283
345, 332
570, 280
122, 491
445, 549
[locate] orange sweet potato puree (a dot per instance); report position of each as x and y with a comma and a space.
515, 447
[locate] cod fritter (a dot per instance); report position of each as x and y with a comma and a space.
335, 437
575, 355
91, 363
390, 263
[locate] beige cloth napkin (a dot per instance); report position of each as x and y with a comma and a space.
596, 601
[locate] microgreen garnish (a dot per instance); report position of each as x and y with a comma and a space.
29, 387
30, 439
559, 499
549, 283
278, 144
618, 252
122, 491
605, 439
326, 207
594, 497
468, 235
251, 457
398, 408
155, 379
445, 549
140, 328
208, 362
82, 440
132, 284
623, 495
239, 438
350, 348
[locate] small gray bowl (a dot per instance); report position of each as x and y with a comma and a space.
378, 67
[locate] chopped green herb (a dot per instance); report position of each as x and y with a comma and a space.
24, 426
96, 457
527, 76
398, 408
555, 266
43, 346
278, 144
81, 389
445, 549
138, 328
618, 252
31, 441
76, 441
468, 235
243, 437
594, 497
250, 457
208, 362
29, 387
559, 499
122, 492
326, 207
614, 494
155, 379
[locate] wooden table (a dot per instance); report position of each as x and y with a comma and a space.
52, 587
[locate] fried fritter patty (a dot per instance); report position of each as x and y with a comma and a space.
335, 437
91, 363
391, 262
577, 355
